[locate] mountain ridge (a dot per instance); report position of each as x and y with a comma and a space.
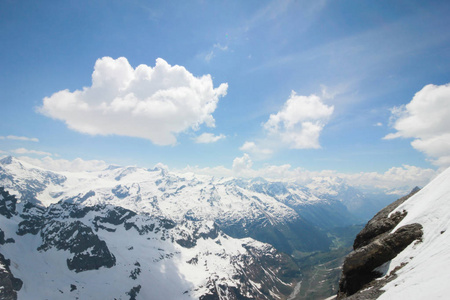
260, 209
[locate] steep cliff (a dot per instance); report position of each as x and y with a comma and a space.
403, 250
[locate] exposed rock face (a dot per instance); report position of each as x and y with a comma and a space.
376, 245
382, 223
8, 204
8, 283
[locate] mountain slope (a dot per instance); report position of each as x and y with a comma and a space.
405, 246
72, 251
425, 274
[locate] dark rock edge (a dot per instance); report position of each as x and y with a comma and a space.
374, 246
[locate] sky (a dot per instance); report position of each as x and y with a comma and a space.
241, 88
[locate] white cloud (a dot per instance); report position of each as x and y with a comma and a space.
392, 179
257, 150
299, 123
162, 166
152, 103
379, 124
76, 165
398, 180
242, 164
220, 47
207, 138
27, 151
218, 171
328, 93
19, 138
212, 53
426, 119
209, 56
248, 146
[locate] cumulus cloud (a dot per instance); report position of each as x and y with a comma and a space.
426, 119
19, 138
27, 151
241, 164
76, 165
151, 103
299, 123
207, 138
162, 166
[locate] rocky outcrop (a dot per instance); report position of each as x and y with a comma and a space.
9, 285
382, 223
7, 203
375, 245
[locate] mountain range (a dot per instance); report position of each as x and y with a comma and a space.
286, 215
129, 232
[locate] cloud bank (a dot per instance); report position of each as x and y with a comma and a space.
396, 180
151, 103
426, 119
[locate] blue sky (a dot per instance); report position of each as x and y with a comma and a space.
352, 65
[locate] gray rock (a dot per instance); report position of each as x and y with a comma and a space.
381, 223
376, 245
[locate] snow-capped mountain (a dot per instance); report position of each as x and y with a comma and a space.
359, 204
71, 251
283, 214
404, 251
127, 232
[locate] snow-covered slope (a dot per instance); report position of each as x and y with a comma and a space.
426, 274
403, 252
72, 251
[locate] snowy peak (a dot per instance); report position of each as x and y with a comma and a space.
6, 160
242, 208
26, 180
